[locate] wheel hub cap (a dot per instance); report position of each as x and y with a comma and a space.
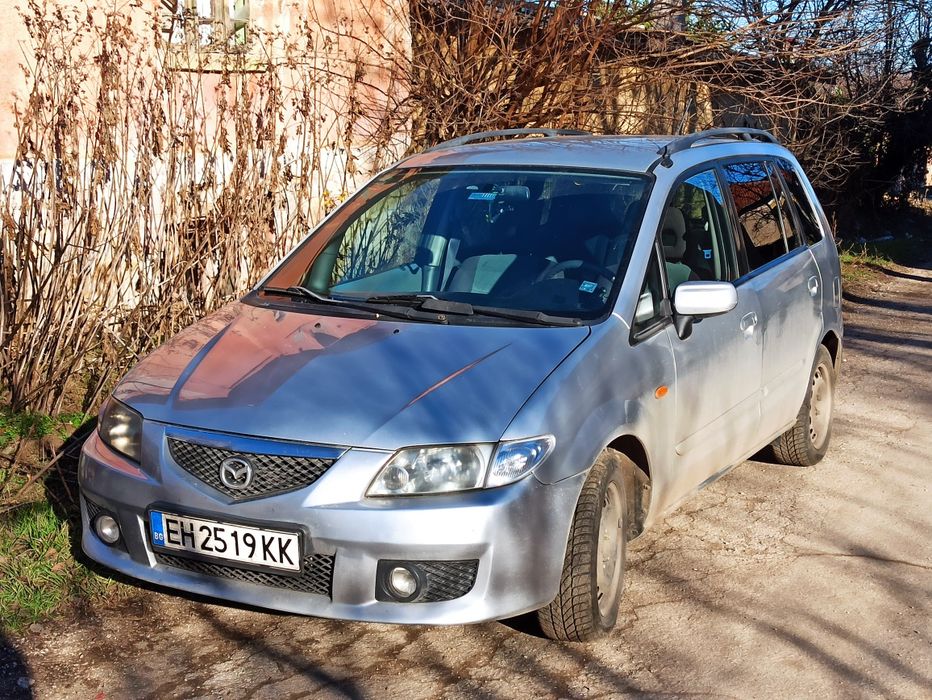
609, 555
820, 406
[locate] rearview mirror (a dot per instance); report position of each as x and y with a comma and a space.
700, 299
512, 193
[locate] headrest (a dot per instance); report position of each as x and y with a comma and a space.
673, 234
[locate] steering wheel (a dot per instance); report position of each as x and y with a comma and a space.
601, 272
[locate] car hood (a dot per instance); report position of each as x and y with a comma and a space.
345, 381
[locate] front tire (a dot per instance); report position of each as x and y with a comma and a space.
592, 581
806, 442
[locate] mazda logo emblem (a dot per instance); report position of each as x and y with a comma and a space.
236, 473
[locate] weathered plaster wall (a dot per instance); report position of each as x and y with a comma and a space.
351, 34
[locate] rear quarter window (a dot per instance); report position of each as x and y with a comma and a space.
794, 238
799, 200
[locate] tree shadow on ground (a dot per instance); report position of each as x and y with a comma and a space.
14, 673
887, 304
915, 264
312, 672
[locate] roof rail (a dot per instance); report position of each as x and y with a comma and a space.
483, 135
686, 142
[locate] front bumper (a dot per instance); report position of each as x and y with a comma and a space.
516, 533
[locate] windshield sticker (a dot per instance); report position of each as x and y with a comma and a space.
588, 287
486, 196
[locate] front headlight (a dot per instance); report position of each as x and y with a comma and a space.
418, 471
120, 427
423, 470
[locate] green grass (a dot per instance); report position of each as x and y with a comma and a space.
35, 426
40, 577
25, 429
911, 231
862, 263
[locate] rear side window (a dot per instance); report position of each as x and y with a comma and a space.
759, 223
808, 219
793, 237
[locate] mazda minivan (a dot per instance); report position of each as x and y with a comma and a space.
461, 396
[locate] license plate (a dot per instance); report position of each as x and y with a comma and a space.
239, 543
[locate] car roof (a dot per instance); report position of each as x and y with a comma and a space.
622, 153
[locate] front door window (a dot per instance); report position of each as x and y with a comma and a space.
697, 241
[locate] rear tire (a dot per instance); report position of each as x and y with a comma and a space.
592, 581
807, 441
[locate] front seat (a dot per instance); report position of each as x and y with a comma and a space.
673, 237
500, 256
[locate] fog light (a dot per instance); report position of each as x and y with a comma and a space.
402, 582
107, 529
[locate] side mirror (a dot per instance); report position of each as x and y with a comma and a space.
700, 299
695, 300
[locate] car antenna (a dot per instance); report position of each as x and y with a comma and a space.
679, 130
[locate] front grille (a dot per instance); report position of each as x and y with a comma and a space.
316, 573
273, 474
447, 580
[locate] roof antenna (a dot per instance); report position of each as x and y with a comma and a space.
682, 125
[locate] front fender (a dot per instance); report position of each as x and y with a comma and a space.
603, 390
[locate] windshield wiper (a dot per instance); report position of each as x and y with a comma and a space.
297, 292
428, 302
538, 317
424, 302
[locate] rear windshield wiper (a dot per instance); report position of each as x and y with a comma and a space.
297, 292
428, 302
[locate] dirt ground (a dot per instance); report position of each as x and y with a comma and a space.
772, 582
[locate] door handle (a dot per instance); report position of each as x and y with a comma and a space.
748, 322
813, 285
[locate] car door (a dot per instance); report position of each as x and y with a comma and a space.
781, 270
718, 367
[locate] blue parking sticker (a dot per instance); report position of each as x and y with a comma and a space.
589, 287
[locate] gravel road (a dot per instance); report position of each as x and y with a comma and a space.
773, 581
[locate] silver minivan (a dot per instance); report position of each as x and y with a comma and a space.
462, 395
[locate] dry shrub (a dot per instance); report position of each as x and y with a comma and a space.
144, 195
826, 76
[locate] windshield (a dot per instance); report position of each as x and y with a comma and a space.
533, 240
